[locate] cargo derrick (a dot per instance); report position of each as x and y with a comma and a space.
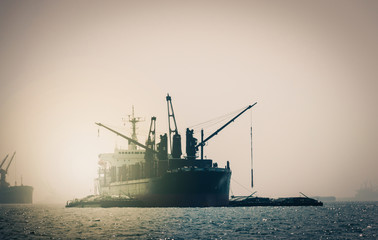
191, 143
150, 144
151, 134
203, 142
4, 161
175, 142
13, 194
129, 139
175, 161
3, 172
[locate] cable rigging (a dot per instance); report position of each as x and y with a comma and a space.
212, 122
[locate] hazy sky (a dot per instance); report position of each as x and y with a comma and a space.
310, 65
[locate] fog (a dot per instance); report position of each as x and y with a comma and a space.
310, 65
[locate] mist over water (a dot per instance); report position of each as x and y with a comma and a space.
310, 65
341, 220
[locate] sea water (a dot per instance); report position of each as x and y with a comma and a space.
338, 220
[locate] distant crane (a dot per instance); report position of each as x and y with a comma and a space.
3, 172
6, 170
4, 161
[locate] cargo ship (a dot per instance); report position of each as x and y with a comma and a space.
157, 175
13, 194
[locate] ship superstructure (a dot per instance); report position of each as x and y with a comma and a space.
112, 165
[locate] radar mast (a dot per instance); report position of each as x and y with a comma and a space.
133, 120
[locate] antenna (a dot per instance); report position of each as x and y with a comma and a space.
133, 120
251, 155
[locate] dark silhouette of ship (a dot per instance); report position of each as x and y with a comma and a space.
148, 175
13, 194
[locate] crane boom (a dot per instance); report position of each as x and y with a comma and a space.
202, 143
175, 140
4, 161
6, 170
151, 134
130, 139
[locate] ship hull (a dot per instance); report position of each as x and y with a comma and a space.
16, 195
187, 187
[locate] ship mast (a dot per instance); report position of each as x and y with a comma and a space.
251, 154
133, 120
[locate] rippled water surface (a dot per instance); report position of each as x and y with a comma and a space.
332, 221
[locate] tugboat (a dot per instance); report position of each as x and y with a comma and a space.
13, 194
147, 175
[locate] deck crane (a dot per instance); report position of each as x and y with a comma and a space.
150, 143
175, 141
128, 138
151, 134
203, 142
3, 172
6, 170
4, 161
149, 156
